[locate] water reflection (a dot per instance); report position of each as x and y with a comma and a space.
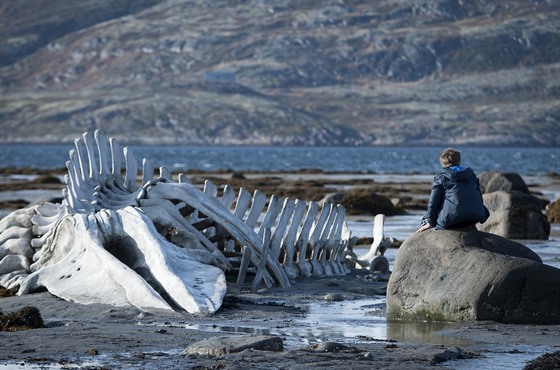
346, 322
346, 319
422, 332
350, 322
498, 357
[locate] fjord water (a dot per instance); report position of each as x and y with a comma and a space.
384, 160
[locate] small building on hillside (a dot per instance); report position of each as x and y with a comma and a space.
219, 76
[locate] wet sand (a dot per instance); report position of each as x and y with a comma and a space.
101, 336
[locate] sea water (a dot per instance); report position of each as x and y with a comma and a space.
383, 160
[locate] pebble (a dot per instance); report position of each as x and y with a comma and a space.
334, 297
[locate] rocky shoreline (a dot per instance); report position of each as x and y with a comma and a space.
101, 336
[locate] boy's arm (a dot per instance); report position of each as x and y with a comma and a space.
434, 204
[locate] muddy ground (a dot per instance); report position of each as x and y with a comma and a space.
107, 337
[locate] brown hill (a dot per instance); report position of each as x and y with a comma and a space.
295, 72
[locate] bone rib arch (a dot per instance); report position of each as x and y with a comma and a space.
180, 240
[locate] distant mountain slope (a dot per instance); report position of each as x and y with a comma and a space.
28, 25
432, 72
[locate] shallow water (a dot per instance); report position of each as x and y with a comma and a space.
349, 322
498, 357
358, 321
401, 227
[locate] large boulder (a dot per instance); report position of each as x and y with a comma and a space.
454, 275
515, 215
502, 181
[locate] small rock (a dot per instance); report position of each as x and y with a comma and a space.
328, 347
143, 315
547, 361
553, 212
28, 317
92, 351
447, 355
219, 346
237, 175
334, 297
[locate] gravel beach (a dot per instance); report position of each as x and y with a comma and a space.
316, 320
107, 337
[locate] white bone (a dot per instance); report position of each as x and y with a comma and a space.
112, 241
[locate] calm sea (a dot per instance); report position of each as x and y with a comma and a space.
398, 160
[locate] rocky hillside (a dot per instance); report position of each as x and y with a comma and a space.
293, 72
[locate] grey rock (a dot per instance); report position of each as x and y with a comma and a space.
515, 215
328, 347
334, 297
449, 355
553, 212
379, 264
449, 275
506, 181
219, 346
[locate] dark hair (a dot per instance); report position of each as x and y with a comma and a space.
450, 157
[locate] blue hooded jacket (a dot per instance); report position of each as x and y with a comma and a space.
455, 199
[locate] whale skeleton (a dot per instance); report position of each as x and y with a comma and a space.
160, 243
